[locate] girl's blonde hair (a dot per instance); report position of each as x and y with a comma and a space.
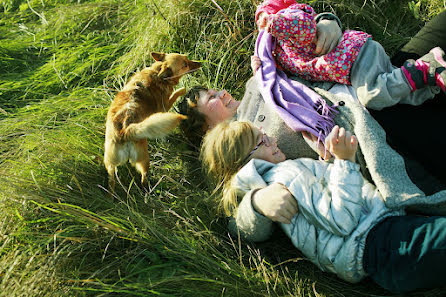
223, 153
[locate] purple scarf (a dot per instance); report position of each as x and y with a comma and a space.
300, 107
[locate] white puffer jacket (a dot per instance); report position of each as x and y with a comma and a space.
337, 208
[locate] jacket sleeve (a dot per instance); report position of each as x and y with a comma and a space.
335, 206
295, 24
251, 225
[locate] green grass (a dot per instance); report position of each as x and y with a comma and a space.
61, 234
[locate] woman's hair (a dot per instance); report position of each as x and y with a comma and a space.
194, 126
223, 153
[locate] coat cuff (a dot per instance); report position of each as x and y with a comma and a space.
346, 172
346, 164
246, 205
251, 225
328, 16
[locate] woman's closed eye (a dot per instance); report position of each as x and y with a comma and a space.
213, 96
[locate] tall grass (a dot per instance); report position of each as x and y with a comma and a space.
61, 234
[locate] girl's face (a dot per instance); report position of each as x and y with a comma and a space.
217, 106
266, 148
262, 20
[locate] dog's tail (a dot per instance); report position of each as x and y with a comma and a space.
157, 125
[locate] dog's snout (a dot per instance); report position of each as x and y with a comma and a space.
194, 65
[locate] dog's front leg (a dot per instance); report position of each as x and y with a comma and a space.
175, 95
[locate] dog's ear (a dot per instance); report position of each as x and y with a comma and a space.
158, 56
165, 71
191, 103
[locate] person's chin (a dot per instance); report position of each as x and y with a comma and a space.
283, 155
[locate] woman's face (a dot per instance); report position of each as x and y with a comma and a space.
216, 106
266, 148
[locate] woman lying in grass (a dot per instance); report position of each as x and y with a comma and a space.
341, 222
391, 156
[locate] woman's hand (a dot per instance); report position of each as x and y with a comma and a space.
255, 63
276, 203
342, 144
328, 35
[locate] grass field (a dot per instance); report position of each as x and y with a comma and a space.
61, 63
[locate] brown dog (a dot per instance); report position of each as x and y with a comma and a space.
139, 112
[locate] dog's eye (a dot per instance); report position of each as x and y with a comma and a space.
184, 65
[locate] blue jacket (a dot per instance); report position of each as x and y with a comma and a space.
337, 208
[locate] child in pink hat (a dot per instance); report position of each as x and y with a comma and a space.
357, 60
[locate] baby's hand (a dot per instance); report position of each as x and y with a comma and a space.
255, 63
342, 144
262, 21
328, 35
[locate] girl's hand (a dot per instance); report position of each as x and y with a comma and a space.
276, 203
262, 21
328, 35
255, 63
342, 144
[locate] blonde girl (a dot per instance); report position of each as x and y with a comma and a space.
228, 147
342, 224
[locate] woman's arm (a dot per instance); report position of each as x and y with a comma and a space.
338, 208
251, 225
276, 203
344, 192
329, 198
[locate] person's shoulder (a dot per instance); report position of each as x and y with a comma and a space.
300, 162
252, 89
252, 83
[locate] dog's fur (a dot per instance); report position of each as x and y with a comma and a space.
139, 112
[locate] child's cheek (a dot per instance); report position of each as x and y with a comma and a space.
213, 104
